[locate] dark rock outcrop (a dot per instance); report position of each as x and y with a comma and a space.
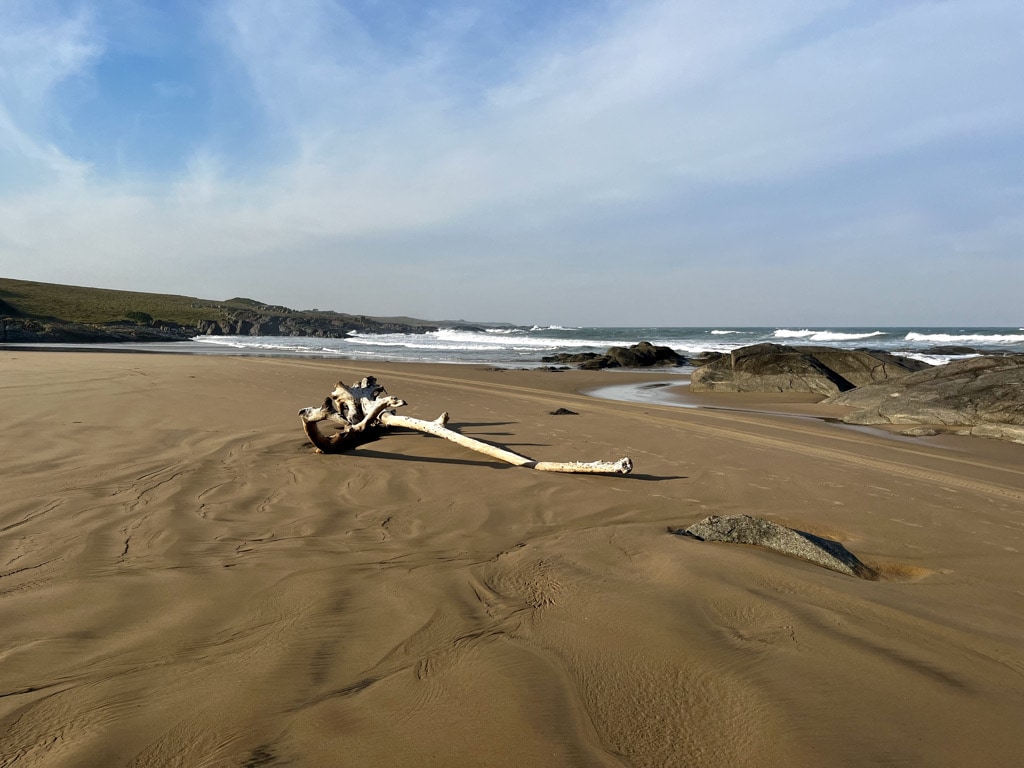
321, 325
570, 357
46, 312
27, 331
981, 396
778, 368
706, 357
30, 330
641, 355
755, 531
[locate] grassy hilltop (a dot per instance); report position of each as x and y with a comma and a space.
32, 311
77, 304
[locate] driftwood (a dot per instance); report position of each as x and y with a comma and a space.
361, 412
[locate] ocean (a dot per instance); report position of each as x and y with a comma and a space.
524, 347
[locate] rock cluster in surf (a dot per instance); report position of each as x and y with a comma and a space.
641, 355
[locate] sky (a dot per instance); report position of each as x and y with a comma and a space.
580, 162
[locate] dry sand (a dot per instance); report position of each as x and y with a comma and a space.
183, 582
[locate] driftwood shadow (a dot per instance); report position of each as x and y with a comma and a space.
654, 478
370, 453
464, 424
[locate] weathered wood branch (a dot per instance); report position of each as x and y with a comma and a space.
354, 410
361, 412
438, 428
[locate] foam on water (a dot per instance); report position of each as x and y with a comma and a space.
524, 346
783, 333
965, 338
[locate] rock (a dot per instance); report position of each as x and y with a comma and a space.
744, 529
641, 355
952, 349
778, 368
29, 331
919, 432
706, 357
563, 412
981, 396
244, 322
645, 355
570, 357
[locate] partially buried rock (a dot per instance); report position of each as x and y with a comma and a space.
563, 412
744, 529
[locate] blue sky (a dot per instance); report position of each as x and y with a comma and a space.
598, 162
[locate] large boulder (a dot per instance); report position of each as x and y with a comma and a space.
641, 355
644, 355
755, 531
978, 396
822, 370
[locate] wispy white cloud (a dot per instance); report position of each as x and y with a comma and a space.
666, 94
652, 135
39, 49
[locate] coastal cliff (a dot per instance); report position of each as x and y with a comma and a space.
32, 312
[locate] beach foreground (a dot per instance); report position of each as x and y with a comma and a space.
184, 582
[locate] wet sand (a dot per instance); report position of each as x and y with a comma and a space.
184, 582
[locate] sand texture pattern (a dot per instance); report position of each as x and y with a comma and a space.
184, 582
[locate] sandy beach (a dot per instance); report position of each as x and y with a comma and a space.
184, 582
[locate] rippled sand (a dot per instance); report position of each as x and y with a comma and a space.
183, 582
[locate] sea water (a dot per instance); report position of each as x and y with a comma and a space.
526, 346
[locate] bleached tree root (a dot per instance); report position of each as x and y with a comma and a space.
437, 427
360, 412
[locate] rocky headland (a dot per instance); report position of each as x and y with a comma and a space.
32, 312
20, 330
319, 325
32, 330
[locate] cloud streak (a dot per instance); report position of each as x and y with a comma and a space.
38, 54
534, 164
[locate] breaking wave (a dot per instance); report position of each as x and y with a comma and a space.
966, 338
783, 333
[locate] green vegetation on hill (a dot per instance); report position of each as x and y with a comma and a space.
77, 304
41, 312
